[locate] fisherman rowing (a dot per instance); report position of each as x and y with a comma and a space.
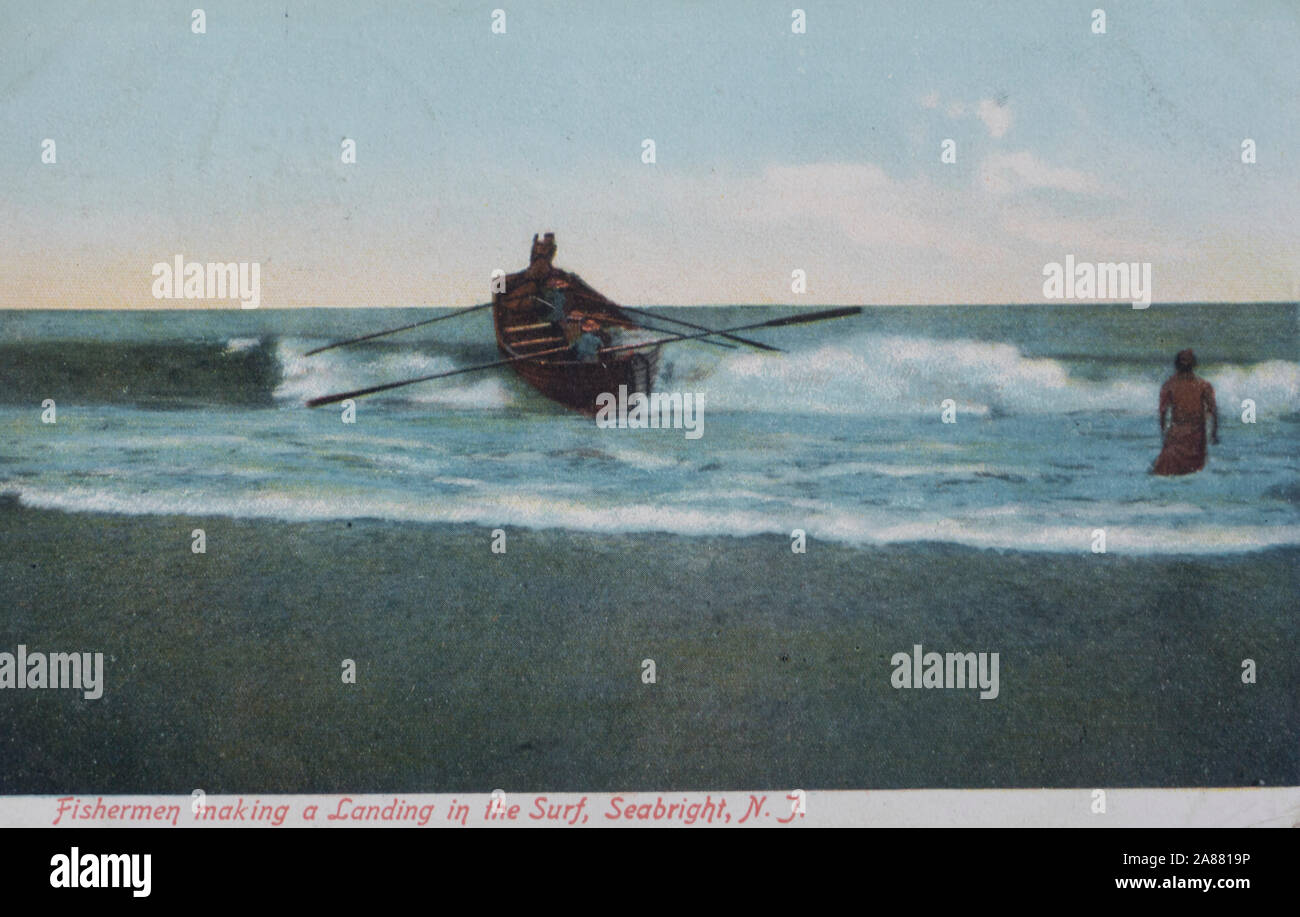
590, 341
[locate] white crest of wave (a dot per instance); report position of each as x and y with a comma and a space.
304, 377
889, 374
1273, 385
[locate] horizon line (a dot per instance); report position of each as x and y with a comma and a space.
746, 305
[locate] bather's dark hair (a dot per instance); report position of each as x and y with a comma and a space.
1185, 361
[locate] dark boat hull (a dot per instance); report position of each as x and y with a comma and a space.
521, 331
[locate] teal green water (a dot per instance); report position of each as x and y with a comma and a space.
840, 436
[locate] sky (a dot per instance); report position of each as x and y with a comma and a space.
775, 151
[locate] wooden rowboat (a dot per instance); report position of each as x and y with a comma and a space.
525, 325
534, 314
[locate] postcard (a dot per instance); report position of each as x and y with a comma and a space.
695, 414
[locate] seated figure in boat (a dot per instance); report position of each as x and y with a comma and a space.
586, 349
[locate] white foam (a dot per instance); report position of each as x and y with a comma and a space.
304, 377
863, 374
873, 374
1006, 528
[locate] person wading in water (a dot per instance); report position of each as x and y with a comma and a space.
1186, 399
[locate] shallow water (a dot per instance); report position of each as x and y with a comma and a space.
200, 412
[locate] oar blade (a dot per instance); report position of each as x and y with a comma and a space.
356, 393
841, 312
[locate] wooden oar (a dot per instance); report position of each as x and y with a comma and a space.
771, 323
357, 393
609, 319
677, 321
427, 321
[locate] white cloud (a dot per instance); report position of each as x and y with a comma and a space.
997, 118
866, 205
1124, 237
1002, 173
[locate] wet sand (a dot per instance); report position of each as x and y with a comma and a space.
523, 671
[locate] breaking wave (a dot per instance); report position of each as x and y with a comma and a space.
884, 374
866, 374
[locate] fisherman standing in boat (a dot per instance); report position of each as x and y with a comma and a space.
540, 258
554, 305
1187, 400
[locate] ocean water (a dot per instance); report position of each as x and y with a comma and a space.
200, 412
